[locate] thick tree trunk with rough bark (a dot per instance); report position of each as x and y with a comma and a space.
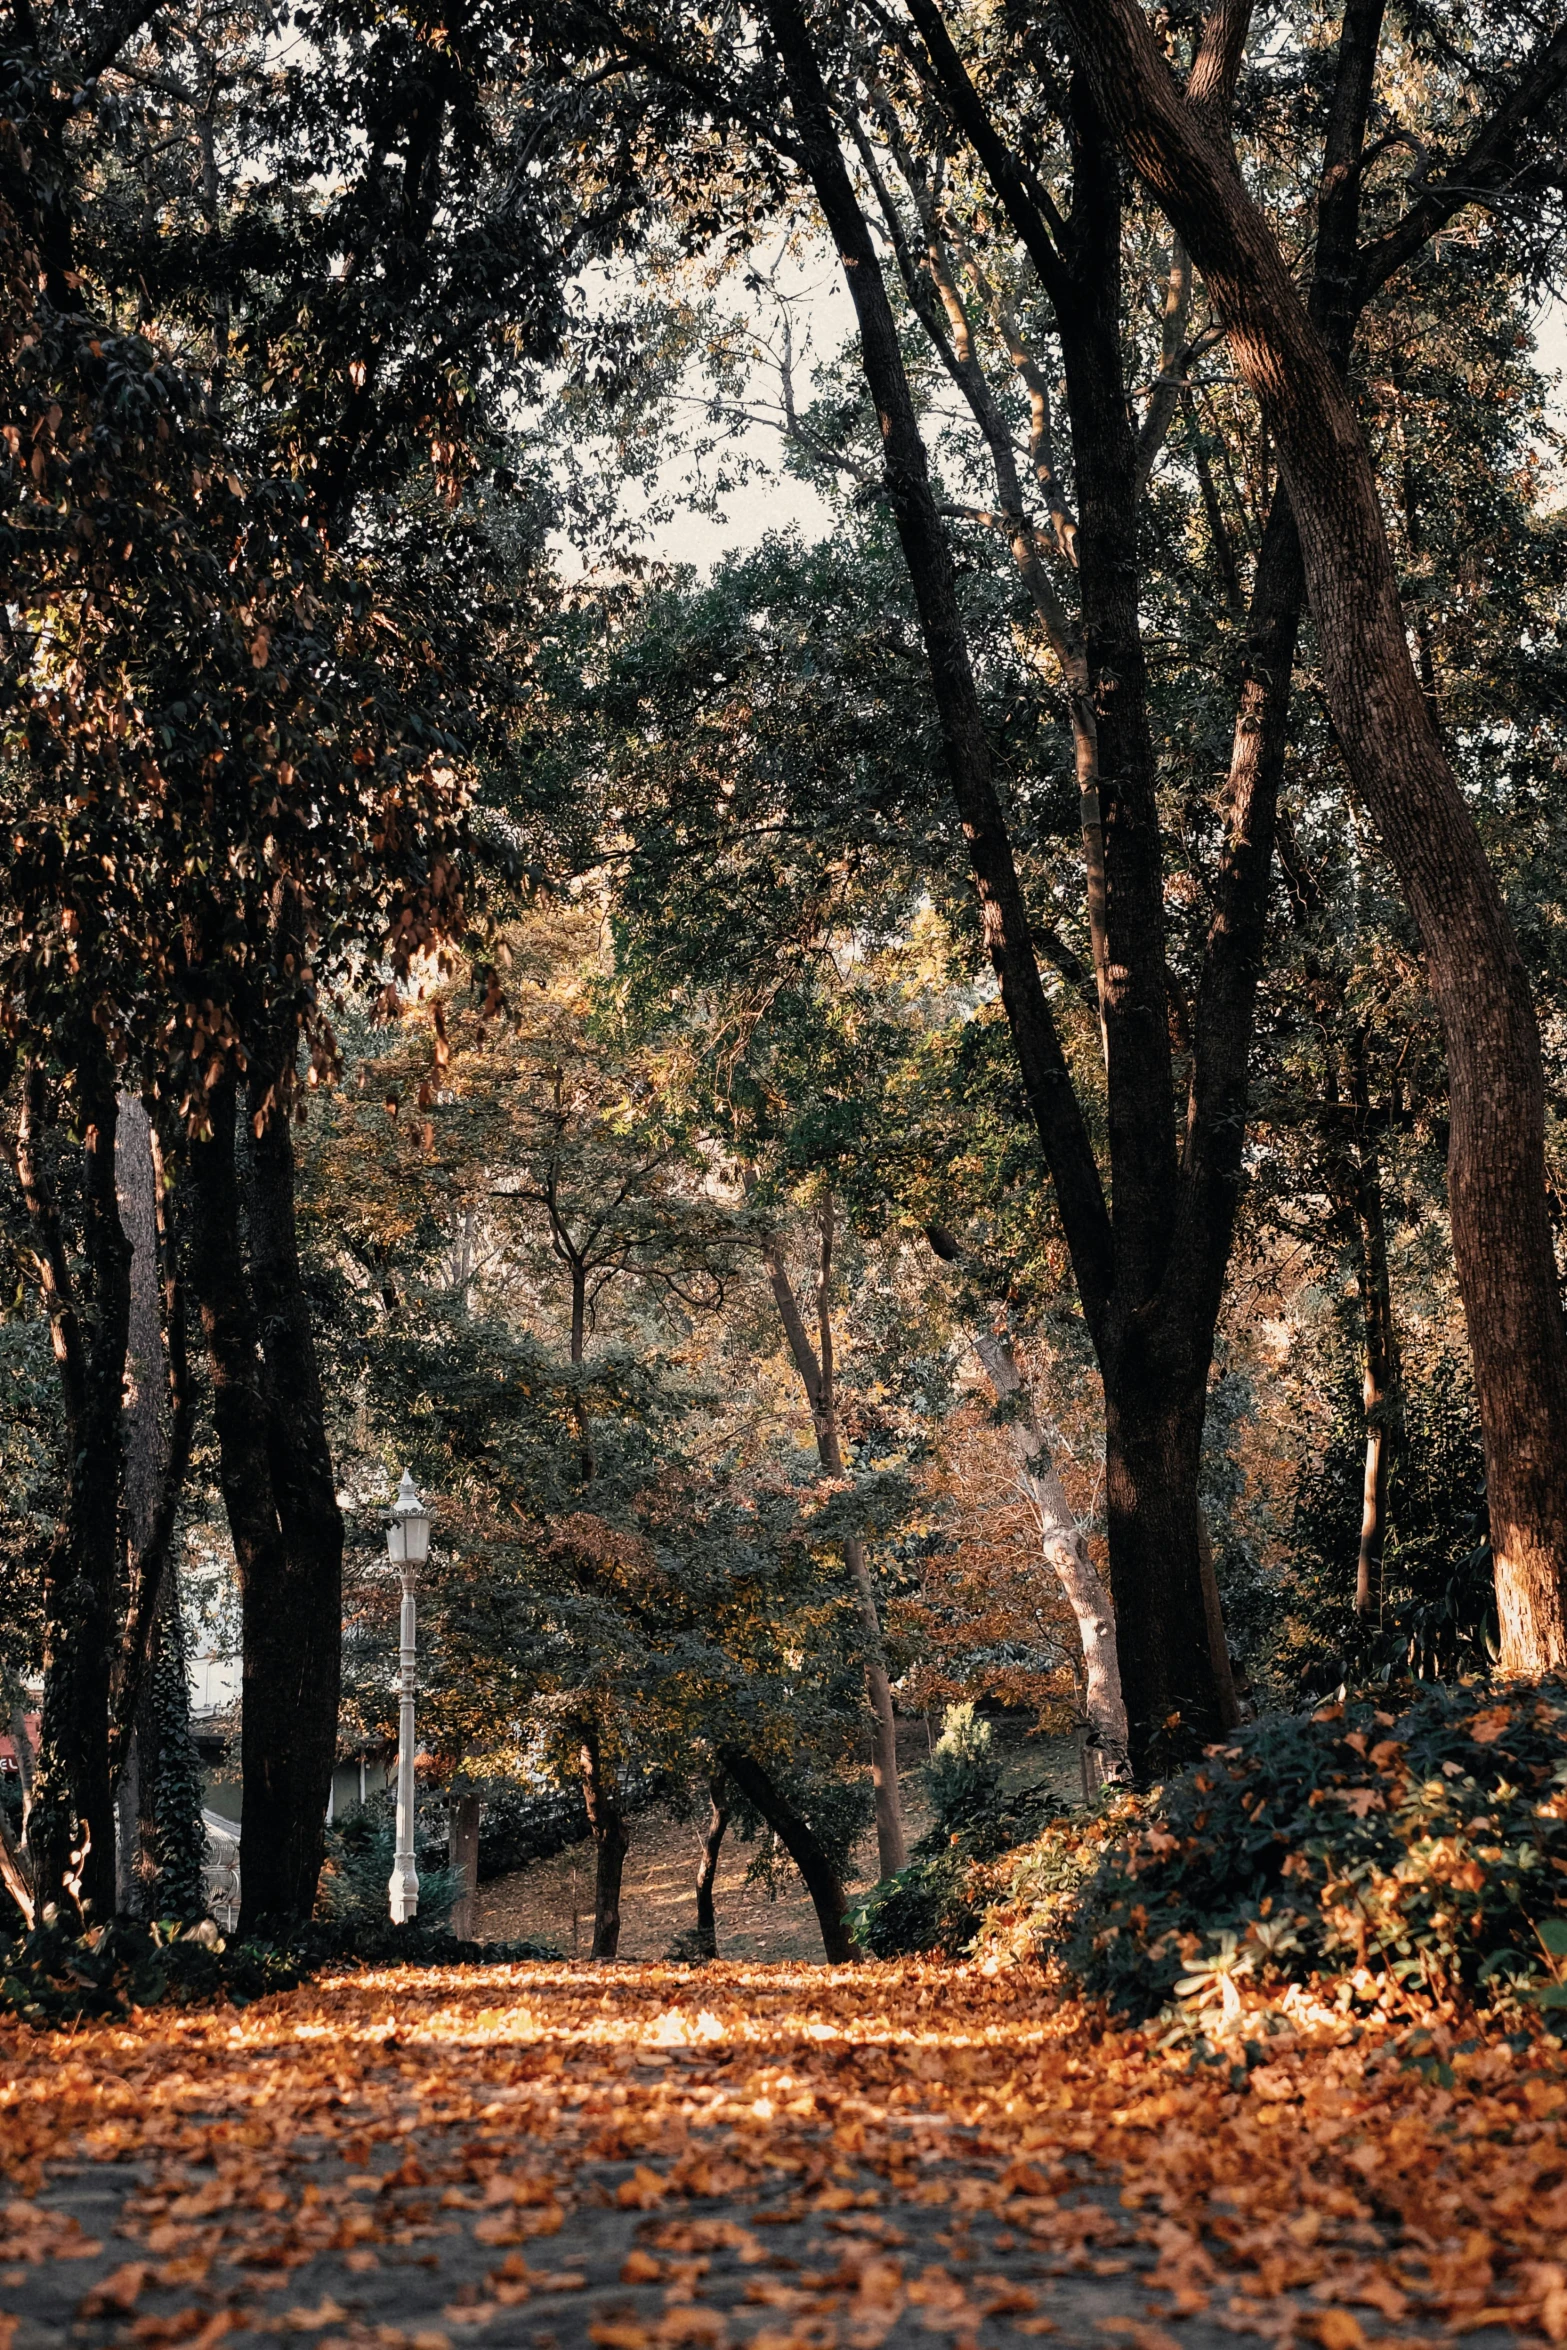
464, 1833
798, 1839
304, 1488
610, 1845
1496, 1170
71, 1825
291, 1626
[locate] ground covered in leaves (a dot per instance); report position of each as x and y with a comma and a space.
787, 2158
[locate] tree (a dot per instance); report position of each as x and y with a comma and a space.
1496, 1171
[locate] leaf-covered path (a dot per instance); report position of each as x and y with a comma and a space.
790, 2158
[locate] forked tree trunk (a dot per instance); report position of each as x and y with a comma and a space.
607, 1822
798, 1839
1155, 1573
1502, 1241
707, 1877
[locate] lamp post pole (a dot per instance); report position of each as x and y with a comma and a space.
408, 1543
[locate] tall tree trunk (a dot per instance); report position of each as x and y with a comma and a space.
607, 1822
303, 1485
1496, 1168
144, 1437
1066, 1553
289, 1685
707, 1877
1165, 1666
815, 1367
464, 1811
798, 1839
1382, 1372
70, 1832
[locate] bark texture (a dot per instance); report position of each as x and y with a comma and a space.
815, 1366
1496, 1169
271, 1476
70, 1830
799, 1840
707, 1877
465, 1810
1066, 1554
610, 1844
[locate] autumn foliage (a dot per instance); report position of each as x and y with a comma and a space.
782, 2158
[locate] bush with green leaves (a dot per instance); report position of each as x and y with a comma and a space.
963, 1776
56, 1975
361, 1845
1397, 1847
938, 1901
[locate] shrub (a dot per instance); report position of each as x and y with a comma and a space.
937, 1902
963, 1775
56, 1976
1029, 1896
361, 1845
1421, 1847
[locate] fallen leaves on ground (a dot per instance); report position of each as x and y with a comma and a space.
1324, 2179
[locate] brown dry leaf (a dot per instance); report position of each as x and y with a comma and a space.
642, 2191
1336, 2329
311, 2321
118, 2294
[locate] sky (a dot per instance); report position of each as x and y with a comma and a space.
773, 499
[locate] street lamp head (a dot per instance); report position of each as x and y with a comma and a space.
408, 1528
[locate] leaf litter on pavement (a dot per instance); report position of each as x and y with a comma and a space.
784, 2158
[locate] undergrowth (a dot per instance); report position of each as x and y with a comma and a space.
1414, 1848
57, 1975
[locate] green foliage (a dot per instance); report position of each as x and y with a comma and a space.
361, 1845
963, 1776
179, 1836
1435, 1615
938, 1901
53, 1976
1423, 1848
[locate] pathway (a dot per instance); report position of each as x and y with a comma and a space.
786, 2158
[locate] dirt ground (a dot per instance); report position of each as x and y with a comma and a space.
552, 1900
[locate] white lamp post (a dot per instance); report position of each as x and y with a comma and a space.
408, 1546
